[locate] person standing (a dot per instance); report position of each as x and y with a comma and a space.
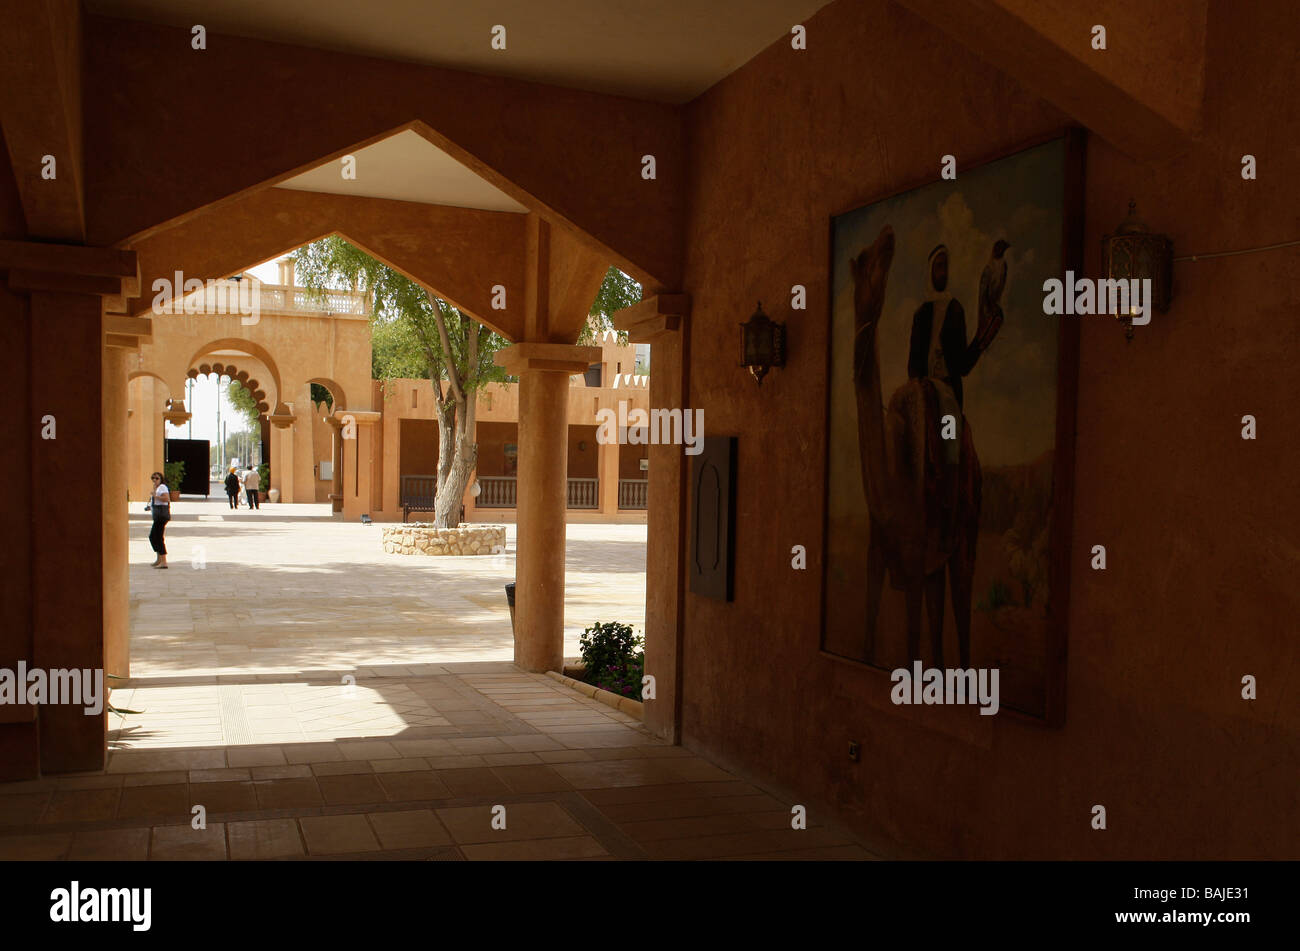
252, 482
232, 488
160, 504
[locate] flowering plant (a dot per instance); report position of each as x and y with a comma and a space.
614, 658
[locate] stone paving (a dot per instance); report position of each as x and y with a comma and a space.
321, 699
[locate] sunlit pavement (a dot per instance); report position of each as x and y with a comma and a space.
322, 699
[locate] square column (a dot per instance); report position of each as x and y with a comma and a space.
67, 561
282, 454
116, 533
357, 429
336, 486
304, 464
607, 469
72, 404
659, 321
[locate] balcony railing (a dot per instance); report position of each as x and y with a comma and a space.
584, 494
632, 493
278, 297
497, 492
274, 298
501, 492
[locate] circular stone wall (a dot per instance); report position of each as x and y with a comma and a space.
421, 538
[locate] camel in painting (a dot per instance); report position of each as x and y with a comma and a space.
901, 454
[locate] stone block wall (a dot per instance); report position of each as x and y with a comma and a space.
422, 538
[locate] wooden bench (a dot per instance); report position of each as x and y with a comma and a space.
419, 493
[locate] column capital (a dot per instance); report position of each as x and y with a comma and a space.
552, 357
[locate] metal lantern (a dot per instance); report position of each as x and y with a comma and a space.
1133, 253
763, 343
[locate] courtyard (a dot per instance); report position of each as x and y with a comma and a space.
288, 588
322, 699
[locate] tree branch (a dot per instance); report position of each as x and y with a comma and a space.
449, 360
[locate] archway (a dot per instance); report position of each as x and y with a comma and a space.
327, 401
148, 396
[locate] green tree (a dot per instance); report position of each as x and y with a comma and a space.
415, 334
321, 394
242, 399
617, 291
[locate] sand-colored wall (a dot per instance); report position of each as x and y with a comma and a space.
1200, 525
403, 400
284, 352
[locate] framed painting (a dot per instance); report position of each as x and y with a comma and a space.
950, 426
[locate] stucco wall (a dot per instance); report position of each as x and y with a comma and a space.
1201, 527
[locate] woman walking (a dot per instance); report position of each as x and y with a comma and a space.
232, 488
160, 503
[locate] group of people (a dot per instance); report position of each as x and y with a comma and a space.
160, 504
250, 481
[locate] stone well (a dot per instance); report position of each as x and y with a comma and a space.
421, 538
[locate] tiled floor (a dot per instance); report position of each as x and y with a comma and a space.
426, 755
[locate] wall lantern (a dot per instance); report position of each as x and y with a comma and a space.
763, 341
1133, 253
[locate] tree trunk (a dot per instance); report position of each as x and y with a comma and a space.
446, 440
447, 507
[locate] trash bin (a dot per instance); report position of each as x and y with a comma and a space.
510, 599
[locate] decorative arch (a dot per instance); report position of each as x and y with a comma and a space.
197, 365
336, 391
136, 374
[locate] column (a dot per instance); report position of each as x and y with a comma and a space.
117, 572
304, 472
358, 431
659, 321
336, 491
607, 469
543, 370
68, 539
540, 509
282, 453
69, 609
19, 749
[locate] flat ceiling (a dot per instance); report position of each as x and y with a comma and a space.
661, 50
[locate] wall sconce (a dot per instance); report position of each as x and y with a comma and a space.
763, 344
1133, 253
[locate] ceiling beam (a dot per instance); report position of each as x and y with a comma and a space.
1118, 93
40, 110
572, 157
460, 254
